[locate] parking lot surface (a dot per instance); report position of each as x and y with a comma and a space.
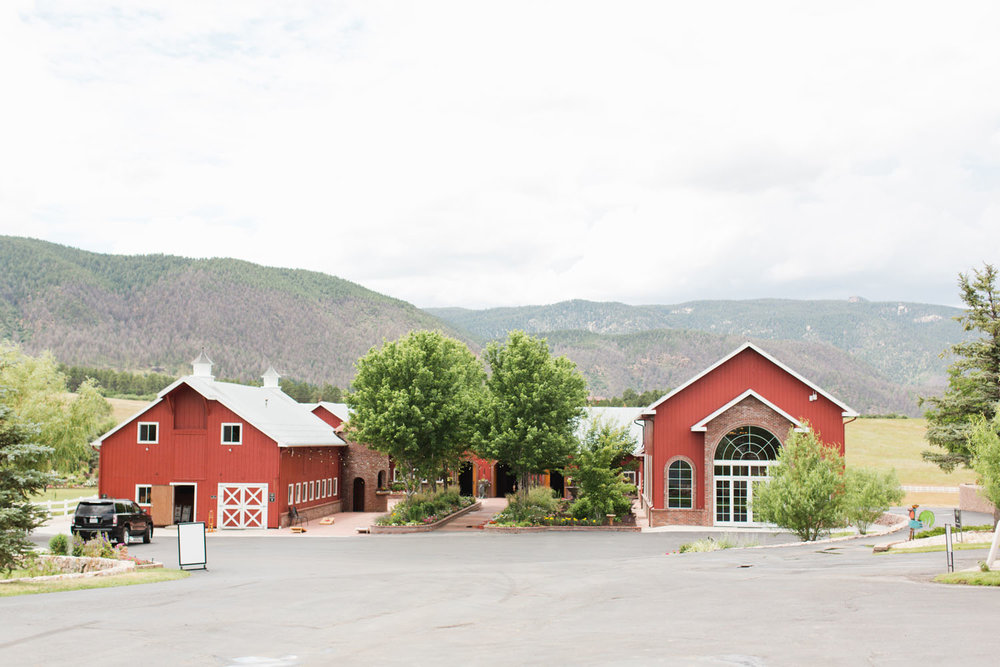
465, 598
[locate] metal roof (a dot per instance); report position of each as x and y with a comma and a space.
268, 409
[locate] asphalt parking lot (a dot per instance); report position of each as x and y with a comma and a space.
578, 598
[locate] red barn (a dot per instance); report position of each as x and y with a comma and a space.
236, 455
707, 442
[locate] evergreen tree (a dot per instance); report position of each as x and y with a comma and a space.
20, 478
973, 378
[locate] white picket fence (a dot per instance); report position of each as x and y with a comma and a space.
63, 507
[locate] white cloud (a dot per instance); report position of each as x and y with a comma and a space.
494, 154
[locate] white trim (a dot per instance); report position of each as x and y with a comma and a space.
136, 496
222, 434
703, 424
847, 411
138, 433
194, 508
336, 485
312, 490
242, 505
291, 494
298, 492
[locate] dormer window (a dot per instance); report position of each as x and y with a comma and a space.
149, 433
232, 434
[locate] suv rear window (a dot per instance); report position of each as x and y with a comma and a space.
94, 509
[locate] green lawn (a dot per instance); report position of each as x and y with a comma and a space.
130, 579
970, 578
897, 443
64, 494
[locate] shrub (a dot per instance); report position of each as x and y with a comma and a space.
712, 544
934, 532
77, 546
529, 507
99, 547
424, 507
869, 493
806, 491
59, 545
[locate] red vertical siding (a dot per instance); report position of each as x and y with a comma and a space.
197, 456
672, 435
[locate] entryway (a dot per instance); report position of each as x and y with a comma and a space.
358, 495
184, 495
742, 460
504, 481
465, 479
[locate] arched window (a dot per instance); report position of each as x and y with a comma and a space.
748, 443
680, 485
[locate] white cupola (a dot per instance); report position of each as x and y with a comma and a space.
271, 377
202, 366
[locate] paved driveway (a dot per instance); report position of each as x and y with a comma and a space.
464, 598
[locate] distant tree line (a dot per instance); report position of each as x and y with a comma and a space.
630, 398
122, 384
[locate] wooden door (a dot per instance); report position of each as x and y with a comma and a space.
162, 509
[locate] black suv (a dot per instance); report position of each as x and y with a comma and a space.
118, 519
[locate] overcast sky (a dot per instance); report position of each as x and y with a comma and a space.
506, 153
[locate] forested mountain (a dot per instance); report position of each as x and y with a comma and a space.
157, 312
669, 357
903, 341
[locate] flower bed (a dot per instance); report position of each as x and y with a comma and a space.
423, 527
73, 567
425, 509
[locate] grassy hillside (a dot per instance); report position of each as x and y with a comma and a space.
896, 444
157, 311
902, 341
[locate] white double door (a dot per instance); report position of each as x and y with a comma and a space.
734, 485
242, 505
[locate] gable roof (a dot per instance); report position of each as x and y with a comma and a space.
617, 417
338, 410
703, 424
268, 409
847, 411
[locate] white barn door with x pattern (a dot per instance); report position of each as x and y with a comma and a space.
242, 505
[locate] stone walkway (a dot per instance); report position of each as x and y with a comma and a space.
475, 520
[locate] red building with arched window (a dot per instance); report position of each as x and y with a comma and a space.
707, 442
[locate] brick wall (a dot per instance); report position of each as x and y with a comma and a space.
748, 412
360, 461
679, 518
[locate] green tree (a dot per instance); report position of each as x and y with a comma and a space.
20, 478
600, 434
415, 399
974, 376
984, 445
36, 393
806, 491
869, 493
603, 489
531, 408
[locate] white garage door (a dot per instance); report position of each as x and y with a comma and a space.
242, 505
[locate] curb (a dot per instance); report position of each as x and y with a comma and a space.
493, 528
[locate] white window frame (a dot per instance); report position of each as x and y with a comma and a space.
395, 474
222, 434
144, 486
298, 492
335, 485
291, 494
629, 476
312, 490
326, 489
138, 433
